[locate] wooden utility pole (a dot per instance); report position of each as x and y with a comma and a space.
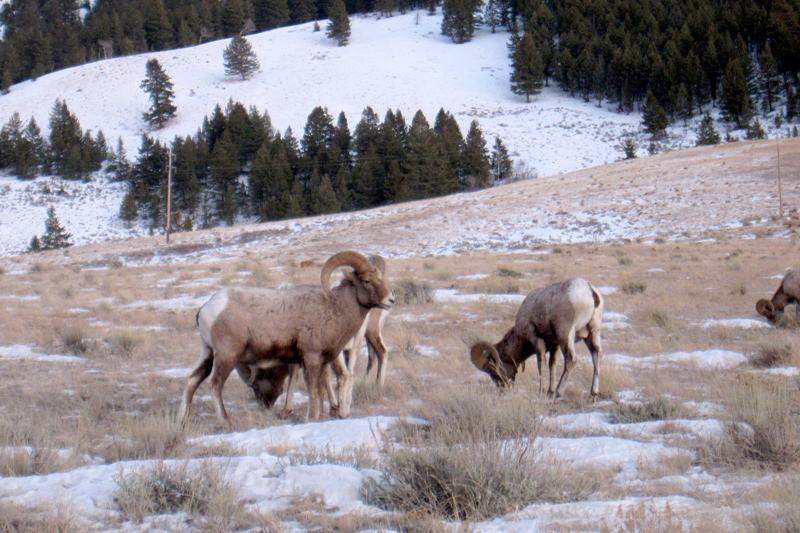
169, 188
780, 192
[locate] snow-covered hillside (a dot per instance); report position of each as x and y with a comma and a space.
400, 63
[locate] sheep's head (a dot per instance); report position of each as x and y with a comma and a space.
372, 289
487, 359
766, 309
269, 383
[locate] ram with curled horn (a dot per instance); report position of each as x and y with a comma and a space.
788, 293
254, 328
344, 365
548, 321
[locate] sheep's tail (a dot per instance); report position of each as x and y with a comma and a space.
598, 300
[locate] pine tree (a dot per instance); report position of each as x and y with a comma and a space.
158, 29
458, 19
55, 236
735, 100
339, 25
654, 118
271, 14
707, 134
159, 86
224, 177
770, 81
500, 162
493, 14
65, 136
628, 147
475, 159
755, 131
683, 104
322, 197
527, 74
120, 166
35, 245
239, 58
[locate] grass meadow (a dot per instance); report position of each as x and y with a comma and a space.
133, 328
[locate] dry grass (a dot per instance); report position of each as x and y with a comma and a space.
116, 404
764, 427
57, 518
166, 489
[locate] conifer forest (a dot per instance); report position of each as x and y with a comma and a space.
673, 56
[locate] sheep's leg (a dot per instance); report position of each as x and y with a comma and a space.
339, 366
595, 348
568, 348
294, 376
200, 372
379, 350
345, 378
540, 350
553, 350
219, 374
312, 364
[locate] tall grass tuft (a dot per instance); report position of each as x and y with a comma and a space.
477, 459
57, 518
774, 353
412, 292
125, 343
632, 286
73, 340
170, 488
765, 428
780, 509
658, 409
156, 435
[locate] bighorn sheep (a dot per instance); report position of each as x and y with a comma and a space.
344, 365
549, 319
265, 328
788, 293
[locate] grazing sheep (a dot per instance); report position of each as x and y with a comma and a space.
549, 319
266, 328
266, 384
788, 293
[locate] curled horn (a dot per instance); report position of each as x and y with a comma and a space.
351, 259
481, 352
765, 308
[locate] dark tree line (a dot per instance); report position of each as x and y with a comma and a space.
68, 152
238, 165
739, 55
42, 36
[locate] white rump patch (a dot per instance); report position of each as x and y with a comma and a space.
209, 313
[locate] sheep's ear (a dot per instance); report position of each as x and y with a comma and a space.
765, 308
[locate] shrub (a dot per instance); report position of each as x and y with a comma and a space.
156, 435
780, 510
56, 518
658, 409
473, 482
497, 285
410, 292
632, 286
660, 317
163, 489
770, 434
73, 340
773, 354
125, 343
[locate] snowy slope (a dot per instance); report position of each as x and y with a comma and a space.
400, 63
